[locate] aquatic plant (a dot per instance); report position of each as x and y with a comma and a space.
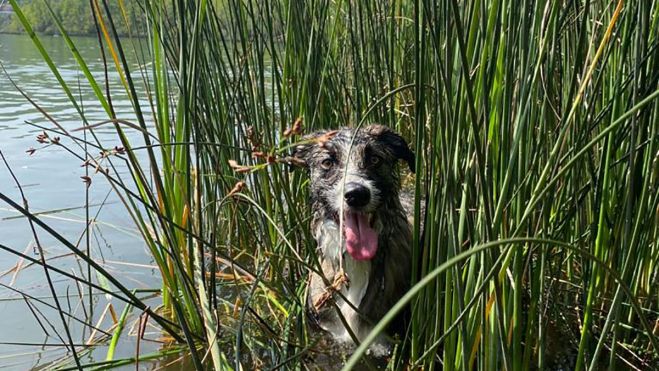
535, 125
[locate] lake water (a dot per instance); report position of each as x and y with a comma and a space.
51, 181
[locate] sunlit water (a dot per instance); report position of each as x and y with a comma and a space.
51, 180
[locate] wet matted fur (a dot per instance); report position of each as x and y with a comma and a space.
356, 196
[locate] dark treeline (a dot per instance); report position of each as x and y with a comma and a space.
76, 17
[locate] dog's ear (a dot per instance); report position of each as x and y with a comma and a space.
395, 142
302, 149
301, 152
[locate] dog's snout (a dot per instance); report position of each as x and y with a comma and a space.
356, 195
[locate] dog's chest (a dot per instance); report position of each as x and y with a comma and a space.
331, 244
358, 273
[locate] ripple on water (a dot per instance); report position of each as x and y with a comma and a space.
52, 173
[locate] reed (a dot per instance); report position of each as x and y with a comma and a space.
536, 129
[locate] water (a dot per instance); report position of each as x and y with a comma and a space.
51, 181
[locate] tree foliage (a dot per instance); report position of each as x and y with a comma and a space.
76, 17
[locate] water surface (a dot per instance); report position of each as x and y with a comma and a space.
51, 180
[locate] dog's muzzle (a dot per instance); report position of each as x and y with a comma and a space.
361, 239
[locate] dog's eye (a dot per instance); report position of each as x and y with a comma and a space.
374, 160
327, 163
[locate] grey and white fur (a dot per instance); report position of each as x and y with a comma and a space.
356, 171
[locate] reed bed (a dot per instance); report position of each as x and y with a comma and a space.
536, 130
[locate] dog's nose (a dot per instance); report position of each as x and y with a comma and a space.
357, 195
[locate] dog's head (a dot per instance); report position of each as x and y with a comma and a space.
354, 174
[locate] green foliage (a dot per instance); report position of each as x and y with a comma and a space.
76, 17
536, 129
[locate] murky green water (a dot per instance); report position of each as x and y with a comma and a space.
51, 181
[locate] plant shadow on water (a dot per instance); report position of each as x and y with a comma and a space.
184, 236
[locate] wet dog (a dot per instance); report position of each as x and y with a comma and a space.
361, 223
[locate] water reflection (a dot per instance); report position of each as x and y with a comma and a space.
51, 181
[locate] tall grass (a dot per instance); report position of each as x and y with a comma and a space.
536, 129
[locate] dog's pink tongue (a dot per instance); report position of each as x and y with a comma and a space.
361, 239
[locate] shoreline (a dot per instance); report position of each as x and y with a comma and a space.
70, 34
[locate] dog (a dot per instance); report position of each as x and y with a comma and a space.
362, 225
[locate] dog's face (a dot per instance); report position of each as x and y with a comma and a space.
353, 173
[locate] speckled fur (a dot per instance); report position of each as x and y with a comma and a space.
374, 285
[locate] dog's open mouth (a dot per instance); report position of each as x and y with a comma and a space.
361, 238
